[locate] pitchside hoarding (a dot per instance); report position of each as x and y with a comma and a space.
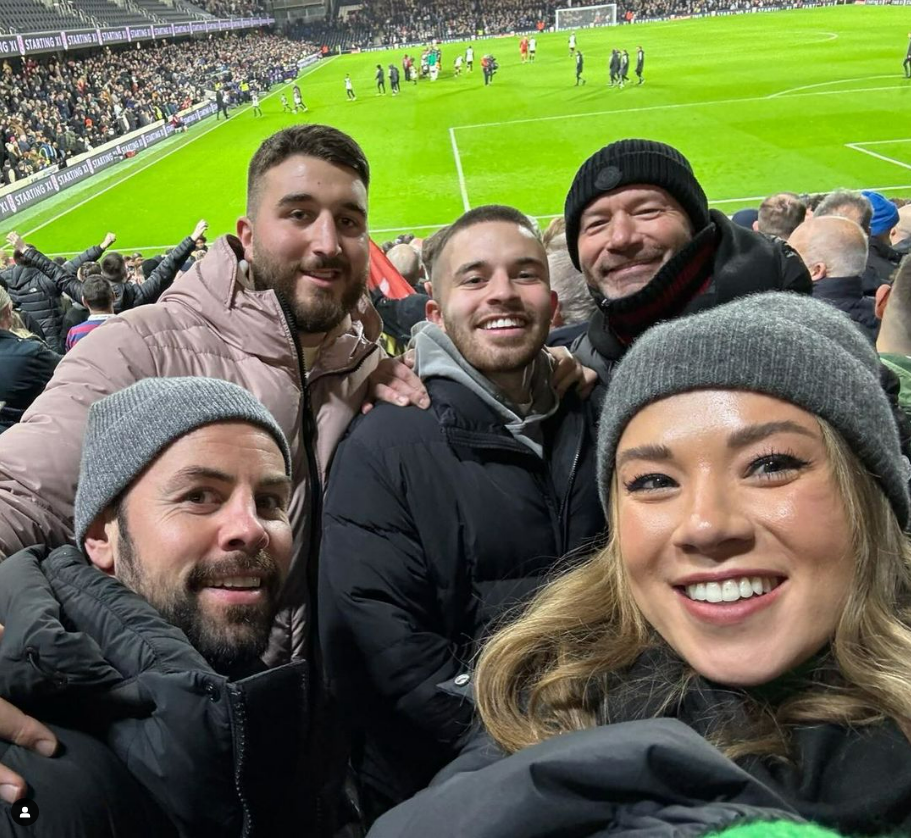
56, 180
37, 42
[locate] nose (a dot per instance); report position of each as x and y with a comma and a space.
501, 288
241, 527
621, 231
324, 235
713, 523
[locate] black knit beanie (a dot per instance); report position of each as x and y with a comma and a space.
627, 162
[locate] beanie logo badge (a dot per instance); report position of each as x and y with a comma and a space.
608, 178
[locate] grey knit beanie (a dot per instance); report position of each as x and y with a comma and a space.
784, 345
128, 429
626, 162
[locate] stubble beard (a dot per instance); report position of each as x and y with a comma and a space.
235, 641
321, 311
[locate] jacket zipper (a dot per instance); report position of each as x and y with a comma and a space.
316, 502
564, 507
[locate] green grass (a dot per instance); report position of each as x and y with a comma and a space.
759, 103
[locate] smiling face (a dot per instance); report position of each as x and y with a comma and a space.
626, 235
493, 296
203, 534
733, 533
307, 239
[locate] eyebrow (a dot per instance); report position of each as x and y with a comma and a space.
757, 433
739, 439
480, 263
305, 197
203, 473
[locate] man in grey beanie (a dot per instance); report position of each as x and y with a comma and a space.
147, 634
639, 228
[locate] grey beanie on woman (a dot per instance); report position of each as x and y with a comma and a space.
784, 345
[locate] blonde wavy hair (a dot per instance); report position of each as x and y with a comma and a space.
551, 670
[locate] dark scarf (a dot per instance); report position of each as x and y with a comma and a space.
854, 780
617, 323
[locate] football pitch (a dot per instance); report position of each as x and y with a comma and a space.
806, 100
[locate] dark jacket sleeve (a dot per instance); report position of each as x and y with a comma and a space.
159, 279
93, 254
64, 281
380, 628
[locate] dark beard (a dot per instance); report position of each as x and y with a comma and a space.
321, 313
232, 645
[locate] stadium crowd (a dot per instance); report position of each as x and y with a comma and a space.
390, 23
54, 108
212, 474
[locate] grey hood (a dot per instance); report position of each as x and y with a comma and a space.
437, 357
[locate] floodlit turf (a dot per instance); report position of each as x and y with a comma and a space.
806, 100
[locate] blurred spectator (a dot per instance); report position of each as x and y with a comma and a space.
901, 232
883, 260
575, 304
893, 305
407, 262
834, 249
27, 365
35, 284
98, 298
780, 215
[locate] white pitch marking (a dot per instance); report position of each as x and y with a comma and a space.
458, 161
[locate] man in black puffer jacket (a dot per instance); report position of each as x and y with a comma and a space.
37, 294
639, 228
140, 648
439, 521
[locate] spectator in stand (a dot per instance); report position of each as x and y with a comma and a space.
780, 215
883, 259
98, 298
27, 365
893, 307
128, 294
575, 305
856, 206
36, 283
834, 249
406, 261
900, 237
78, 313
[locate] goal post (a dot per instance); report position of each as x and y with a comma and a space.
583, 17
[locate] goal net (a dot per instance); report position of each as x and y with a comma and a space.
582, 17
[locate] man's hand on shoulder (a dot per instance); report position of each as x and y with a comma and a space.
394, 381
568, 371
26, 732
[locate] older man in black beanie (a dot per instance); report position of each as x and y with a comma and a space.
639, 228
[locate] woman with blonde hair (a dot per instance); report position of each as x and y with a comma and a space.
26, 364
739, 655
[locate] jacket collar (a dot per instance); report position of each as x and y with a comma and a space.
838, 288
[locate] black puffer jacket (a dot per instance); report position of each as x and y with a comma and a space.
721, 263
26, 366
650, 779
847, 294
38, 294
186, 749
436, 522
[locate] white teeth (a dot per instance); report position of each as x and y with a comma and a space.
237, 582
503, 323
713, 592
731, 590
